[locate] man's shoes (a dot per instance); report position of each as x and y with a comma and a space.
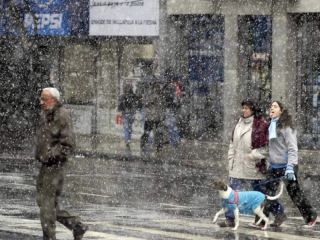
279, 219
311, 224
226, 223
79, 231
128, 149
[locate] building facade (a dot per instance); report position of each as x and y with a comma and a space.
223, 51
269, 52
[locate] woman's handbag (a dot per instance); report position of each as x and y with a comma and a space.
119, 119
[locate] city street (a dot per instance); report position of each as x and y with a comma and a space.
127, 200
155, 99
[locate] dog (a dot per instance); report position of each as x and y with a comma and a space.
241, 201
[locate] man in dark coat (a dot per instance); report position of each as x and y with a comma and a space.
54, 142
154, 109
128, 104
154, 106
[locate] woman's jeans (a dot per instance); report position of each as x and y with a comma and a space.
171, 123
128, 119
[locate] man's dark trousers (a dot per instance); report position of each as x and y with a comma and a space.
49, 188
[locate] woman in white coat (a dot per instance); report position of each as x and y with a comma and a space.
247, 153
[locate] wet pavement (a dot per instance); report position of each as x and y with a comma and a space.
127, 200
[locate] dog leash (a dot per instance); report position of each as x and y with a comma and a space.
269, 181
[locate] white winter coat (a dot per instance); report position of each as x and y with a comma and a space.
242, 158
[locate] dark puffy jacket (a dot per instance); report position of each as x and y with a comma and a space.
128, 103
153, 101
54, 137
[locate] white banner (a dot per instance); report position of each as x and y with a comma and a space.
124, 18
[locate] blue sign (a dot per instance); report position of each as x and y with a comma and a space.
48, 17
35, 17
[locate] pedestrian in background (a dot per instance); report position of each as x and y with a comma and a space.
247, 153
283, 160
154, 110
139, 93
54, 143
153, 104
172, 92
128, 104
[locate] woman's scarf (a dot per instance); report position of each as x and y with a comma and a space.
273, 128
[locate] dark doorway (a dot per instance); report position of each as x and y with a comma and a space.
308, 78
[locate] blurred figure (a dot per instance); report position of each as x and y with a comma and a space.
128, 104
54, 143
183, 114
153, 107
172, 91
139, 93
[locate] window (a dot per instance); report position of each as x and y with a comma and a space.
308, 78
255, 38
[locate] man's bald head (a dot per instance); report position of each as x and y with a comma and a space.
49, 98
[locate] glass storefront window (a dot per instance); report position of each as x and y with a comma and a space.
205, 34
255, 38
308, 78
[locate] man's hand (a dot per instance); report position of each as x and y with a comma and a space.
289, 173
